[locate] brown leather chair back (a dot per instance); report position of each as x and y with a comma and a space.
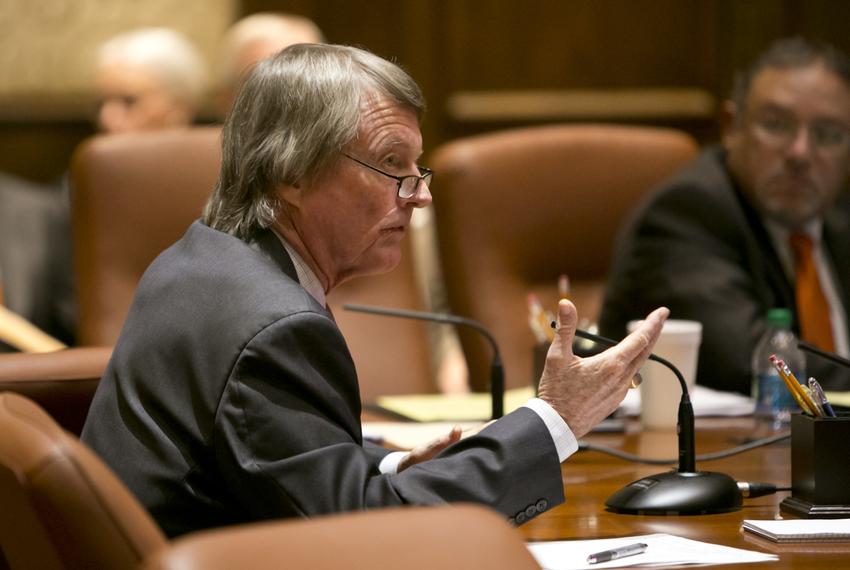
413, 538
62, 507
133, 196
517, 208
61, 382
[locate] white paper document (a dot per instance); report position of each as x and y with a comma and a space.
661, 550
706, 402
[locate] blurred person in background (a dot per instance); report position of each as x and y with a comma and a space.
148, 79
145, 79
253, 38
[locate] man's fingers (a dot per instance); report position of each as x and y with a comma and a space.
638, 345
567, 319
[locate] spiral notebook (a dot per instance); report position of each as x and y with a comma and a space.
803, 530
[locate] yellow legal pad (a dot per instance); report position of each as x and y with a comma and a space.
455, 407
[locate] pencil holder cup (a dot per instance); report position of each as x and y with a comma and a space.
538, 362
820, 462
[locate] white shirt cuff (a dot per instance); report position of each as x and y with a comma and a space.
389, 464
565, 442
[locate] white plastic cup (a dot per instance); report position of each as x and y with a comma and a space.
660, 391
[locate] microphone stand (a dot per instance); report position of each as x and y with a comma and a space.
497, 373
685, 491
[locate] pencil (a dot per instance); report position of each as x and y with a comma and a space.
781, 368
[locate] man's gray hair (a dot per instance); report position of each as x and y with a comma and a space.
295, 113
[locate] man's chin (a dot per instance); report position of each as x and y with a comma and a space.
792, 217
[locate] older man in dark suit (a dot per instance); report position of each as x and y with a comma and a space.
231, 395
753, 224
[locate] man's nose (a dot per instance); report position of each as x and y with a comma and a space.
801, 144
421, 198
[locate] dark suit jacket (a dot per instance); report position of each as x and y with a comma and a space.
35, 254
231, 397
698, 247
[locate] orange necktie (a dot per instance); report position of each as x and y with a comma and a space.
812, 307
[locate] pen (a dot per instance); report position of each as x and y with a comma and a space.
563, 286
615, 553
818, 395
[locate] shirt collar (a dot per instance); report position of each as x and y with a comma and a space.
306, 277
780, 233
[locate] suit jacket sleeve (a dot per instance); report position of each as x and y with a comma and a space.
290, 408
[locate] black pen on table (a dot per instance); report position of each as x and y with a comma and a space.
615, 553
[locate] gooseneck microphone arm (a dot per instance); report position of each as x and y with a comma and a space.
497, 373
682, 492
824, 354
687, 445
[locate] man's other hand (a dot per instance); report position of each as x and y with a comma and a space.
429, 450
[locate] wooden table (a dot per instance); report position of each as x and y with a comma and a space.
591, 477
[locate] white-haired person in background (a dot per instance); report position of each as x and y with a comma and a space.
253, 38
148, 79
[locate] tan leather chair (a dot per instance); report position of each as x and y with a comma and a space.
517, 208
62, 382
133, 196
63, 508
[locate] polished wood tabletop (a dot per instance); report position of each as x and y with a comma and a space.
590, 477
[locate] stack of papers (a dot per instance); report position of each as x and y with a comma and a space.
806, 530
662, 550
706, 403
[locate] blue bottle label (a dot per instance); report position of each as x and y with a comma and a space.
773, 395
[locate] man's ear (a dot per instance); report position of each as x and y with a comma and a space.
289, 194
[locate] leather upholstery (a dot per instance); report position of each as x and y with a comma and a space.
63, 508
133, 196
61, 382
517, 208
421, 538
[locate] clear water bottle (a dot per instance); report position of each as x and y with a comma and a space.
774, 401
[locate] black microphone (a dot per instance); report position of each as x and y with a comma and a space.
685, 491
497, 373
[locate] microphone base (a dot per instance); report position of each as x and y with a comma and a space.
677, 493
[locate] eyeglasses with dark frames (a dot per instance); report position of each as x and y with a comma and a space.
407, 185
782, 129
